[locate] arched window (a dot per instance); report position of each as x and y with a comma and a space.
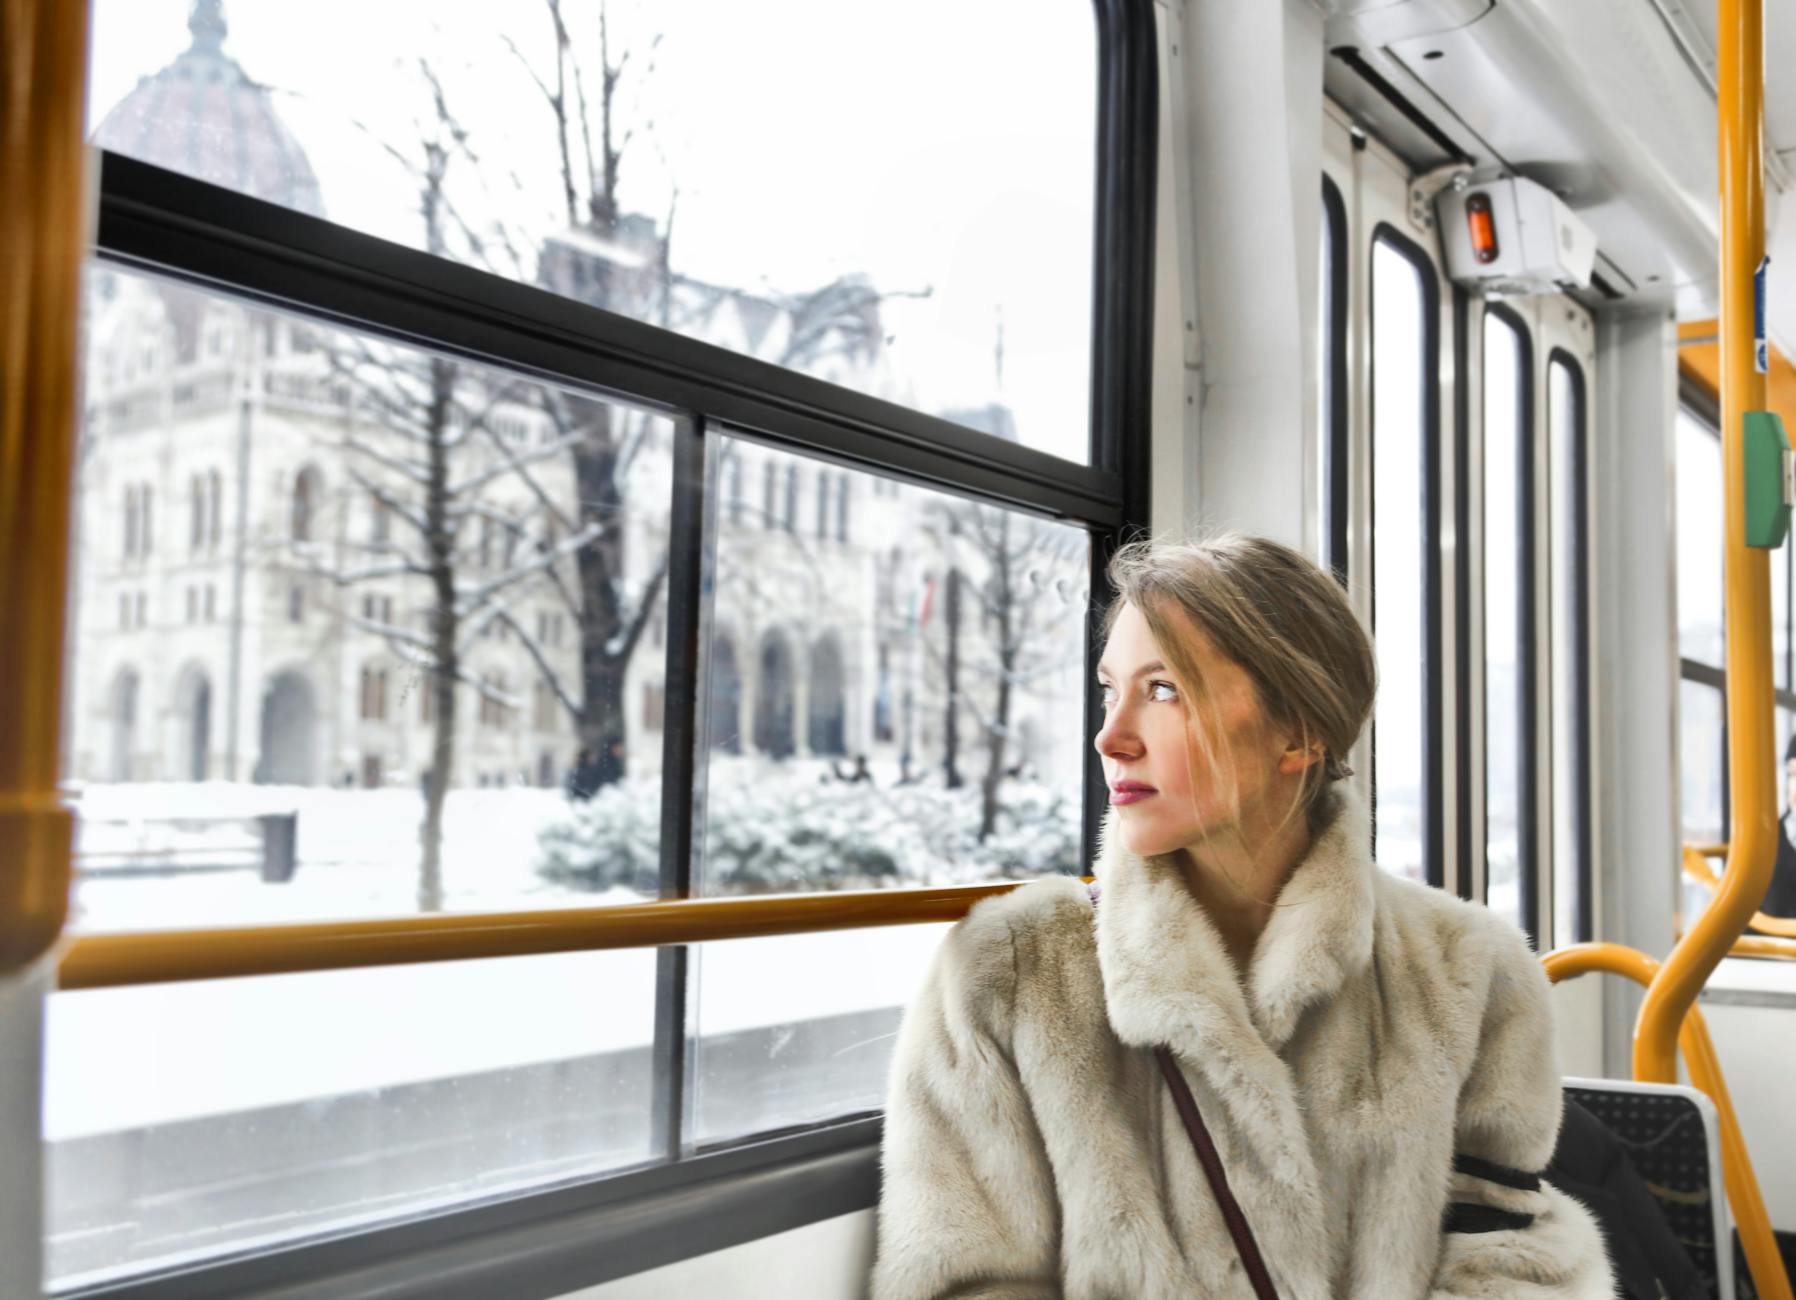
288, 733
775, 734
374, 693
725, 704
124, 723
196, 513
215, 506
828, 717
306, 494
193, 707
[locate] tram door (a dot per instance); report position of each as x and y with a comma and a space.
1455, 502
1388, 489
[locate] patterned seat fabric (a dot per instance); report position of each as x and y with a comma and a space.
1668, 1147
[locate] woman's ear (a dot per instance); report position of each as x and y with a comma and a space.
1301, 755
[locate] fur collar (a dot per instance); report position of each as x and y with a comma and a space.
1168, 978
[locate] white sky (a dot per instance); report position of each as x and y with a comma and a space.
938, 144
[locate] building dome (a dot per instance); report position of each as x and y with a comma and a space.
203, 116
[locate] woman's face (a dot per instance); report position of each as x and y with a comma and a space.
1169, 790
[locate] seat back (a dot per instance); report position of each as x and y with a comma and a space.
1673, 1139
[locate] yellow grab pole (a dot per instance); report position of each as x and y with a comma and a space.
1752, 834
43, 70
1696, 867
1757, 1239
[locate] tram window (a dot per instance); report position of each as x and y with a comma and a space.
981, 615
191, 1120
1699, 538
1780, 615
1403, 306
1702, 770
743, 174
775, 1046
359, 417
929, 299
1509, 653
1569, 620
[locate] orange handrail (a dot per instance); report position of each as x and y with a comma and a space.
1751, 741
1696, 866
163, 956
1757, 1239
43, 75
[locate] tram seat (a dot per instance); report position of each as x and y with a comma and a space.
1672, 1138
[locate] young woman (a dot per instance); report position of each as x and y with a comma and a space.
1372, 1058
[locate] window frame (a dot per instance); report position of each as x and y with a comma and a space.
1582, 685
690, 1200
1528, 626
1434, 751
1338, 384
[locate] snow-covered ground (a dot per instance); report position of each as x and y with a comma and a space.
136, 1057
357, 850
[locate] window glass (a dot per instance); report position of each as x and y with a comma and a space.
1568, 620
1777, 900
1699, 534
1399, 430
1780, 615
351, 734
1506, 732
892, 711
1701, 715
192, 1120
743, 174
776, 1046
1700, 720
887, 712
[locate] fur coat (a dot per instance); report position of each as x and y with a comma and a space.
1382, 1088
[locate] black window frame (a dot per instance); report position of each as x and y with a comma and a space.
1337, 391
1579, 600
1528, 676
563, 1237
1434, 753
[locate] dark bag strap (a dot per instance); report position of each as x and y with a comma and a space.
1245, 1246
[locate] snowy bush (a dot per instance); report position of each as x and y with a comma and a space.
772, 828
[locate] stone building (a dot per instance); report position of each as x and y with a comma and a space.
249, 601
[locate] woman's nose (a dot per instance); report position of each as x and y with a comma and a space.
1116, 738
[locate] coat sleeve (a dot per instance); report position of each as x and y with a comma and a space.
1507, 1232
967, 1203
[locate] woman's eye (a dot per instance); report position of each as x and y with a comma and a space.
1107, 693
1162, 692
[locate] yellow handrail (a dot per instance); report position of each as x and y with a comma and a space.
43, 71
1757, 1239
1696, 866
163, 956
1753, 830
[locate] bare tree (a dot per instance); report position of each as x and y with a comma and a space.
1011, 568
457, 511
841, 318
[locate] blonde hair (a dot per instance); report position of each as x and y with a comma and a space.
1272, 611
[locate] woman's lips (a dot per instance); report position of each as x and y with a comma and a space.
1127, 792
